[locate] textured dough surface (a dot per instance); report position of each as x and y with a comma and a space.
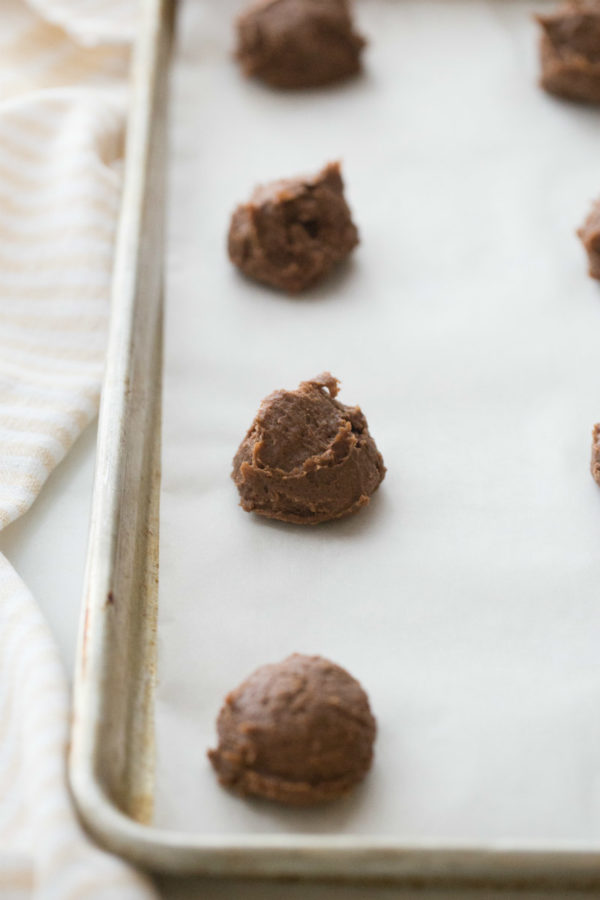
307, 458
596, 453
293, 231
298, 43
570, 51
590, 237
300, 732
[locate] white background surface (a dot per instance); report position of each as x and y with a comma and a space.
465, 597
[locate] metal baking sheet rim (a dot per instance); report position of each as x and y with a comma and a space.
112, 747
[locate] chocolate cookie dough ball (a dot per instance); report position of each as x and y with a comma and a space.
299, 732
307, 458
570, 51
590, 237
298, 43
595, 467
293, 231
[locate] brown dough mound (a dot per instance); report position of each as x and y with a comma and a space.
595, 467
298, 43
299, 732
293, 231
570, 51
307, 458
590, 236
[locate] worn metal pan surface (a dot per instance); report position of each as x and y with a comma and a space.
111, 761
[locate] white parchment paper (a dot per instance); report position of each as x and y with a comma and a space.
466, 597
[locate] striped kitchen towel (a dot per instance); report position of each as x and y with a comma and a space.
63, 67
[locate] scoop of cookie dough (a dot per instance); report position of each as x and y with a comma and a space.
293, 231
298, 43
590, 237
570, 51
299, 732
595, 466
307, 458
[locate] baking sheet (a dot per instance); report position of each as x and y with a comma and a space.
465, 598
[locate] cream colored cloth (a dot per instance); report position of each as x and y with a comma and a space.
63, 67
